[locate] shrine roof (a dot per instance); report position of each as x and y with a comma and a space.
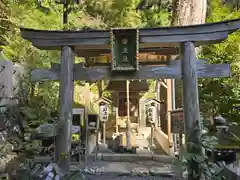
162, 41
103, 99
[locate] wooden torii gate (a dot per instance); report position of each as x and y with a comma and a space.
165, 41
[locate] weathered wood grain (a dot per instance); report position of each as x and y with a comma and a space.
167, 40
229, 25
199, 39
63, 142
172, 71
190, 96
44, 75
201, 34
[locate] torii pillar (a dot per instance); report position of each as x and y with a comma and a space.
190, 100
64, 137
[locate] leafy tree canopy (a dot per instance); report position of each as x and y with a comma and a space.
47, 14
222, 95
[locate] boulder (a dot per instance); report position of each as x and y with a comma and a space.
232, 171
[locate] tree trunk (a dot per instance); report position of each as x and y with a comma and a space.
185, 12
189, 12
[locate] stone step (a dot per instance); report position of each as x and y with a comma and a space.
131, 157
146, 168
128, 177
137, 171
144, 151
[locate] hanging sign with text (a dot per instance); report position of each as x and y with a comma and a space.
125, 49
152, 114
103, 113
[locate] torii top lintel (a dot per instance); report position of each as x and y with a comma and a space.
164, 39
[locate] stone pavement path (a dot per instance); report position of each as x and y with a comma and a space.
132, 170
112, 177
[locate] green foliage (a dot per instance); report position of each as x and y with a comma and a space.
161, 4
221, 95
37, 101
5, 24
151, 93
76, 175
48, 15
114, 13
155, 18
198, 165
34, 108
18, 50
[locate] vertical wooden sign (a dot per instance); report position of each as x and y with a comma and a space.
177, 122
125, 49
